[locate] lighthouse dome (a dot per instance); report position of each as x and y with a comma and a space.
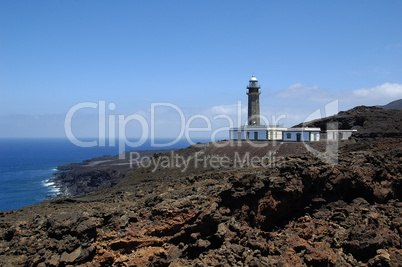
253, 79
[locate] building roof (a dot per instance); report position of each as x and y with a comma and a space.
347, 130
304, 129
258, 128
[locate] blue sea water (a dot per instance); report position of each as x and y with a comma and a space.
27, 164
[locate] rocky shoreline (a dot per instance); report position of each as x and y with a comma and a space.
76, 179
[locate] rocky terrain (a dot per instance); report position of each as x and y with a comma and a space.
370, 122
224, 206
76, 179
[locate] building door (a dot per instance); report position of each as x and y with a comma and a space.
298, 137
238, 135
248, 135
255, 135
272, 136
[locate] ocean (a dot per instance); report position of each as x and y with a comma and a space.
27, 164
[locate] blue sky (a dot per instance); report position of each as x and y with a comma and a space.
196, 55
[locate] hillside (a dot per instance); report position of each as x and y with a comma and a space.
370, 122
219, 206
397, 104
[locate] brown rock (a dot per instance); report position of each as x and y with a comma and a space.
71, 257
54, 260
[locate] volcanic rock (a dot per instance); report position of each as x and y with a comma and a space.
296, 210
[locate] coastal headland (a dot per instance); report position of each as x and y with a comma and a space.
293, 208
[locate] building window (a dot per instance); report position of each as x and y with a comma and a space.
248, 135
239, 135
288, 135
276, 135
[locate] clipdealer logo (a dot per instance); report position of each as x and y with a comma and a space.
115, 131
118, 133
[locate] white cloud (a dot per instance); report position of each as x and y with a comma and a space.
299, 90
235, 110
388, 91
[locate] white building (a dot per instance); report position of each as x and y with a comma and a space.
267, 133
301, 134
256, 133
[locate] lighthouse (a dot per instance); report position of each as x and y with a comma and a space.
254, 131
253, 102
